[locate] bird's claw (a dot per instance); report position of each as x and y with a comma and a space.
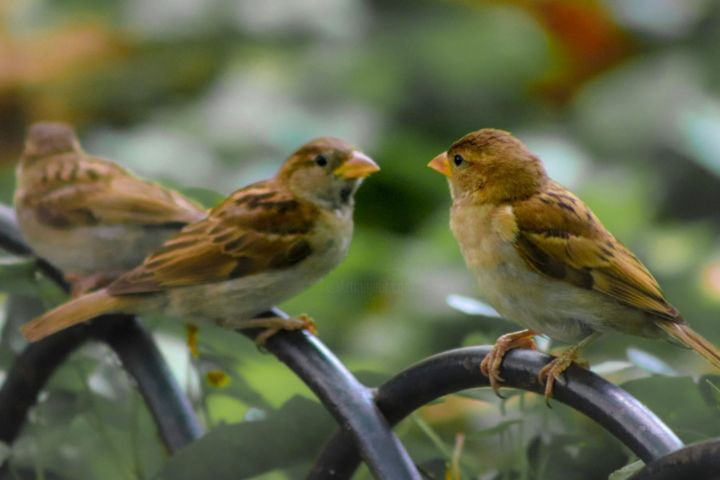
273, 325
490, 367
263, 337
551, 372
491, 364
307, 323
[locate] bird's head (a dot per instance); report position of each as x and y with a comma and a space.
327, 172
48, 139
490, 166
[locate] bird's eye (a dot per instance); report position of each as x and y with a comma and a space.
458, 160
321, 160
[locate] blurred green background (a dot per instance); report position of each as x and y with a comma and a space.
620, 99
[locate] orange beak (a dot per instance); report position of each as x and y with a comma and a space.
358, 166
440, 164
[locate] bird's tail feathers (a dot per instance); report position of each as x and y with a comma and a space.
73, 312
691, 339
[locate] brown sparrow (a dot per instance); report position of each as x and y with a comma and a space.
544, 260
88, 216
263, 244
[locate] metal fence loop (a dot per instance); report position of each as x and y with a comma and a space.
699, 461
445, 373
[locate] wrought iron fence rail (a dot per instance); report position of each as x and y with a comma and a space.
349, 401
29, 373
456, 370
700, 461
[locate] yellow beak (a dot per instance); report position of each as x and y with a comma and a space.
358, 166
440, 164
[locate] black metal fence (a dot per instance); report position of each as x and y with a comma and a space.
365, 415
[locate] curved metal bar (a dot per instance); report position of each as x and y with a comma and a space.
28, 375
175, 419
611, 407
700, 461
350, 402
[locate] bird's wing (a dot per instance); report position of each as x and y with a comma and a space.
558, 235
90, 190
259, 228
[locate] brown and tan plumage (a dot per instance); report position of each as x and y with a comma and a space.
260, 246
258, 228
558, 236
544, 260
87, 215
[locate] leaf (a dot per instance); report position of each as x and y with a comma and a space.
433, 436
17, 275
293, 434
543, 343
20, 309
679, 403
5, 451
610, 366
627, 472
370, 377
710, 390
471, 306
501, 427
573, 456
649, 362
218, 378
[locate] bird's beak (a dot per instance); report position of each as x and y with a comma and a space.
358, 166
440, 164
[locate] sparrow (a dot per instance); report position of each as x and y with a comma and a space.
260, 246
86, 215
543, 259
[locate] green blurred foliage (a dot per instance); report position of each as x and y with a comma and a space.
621, 100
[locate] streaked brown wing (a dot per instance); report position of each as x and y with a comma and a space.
560, 237
89, 191
258, 228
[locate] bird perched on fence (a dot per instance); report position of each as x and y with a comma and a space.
86, 215
544, 260
263, 244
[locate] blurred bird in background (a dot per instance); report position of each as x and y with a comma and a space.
86, 215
